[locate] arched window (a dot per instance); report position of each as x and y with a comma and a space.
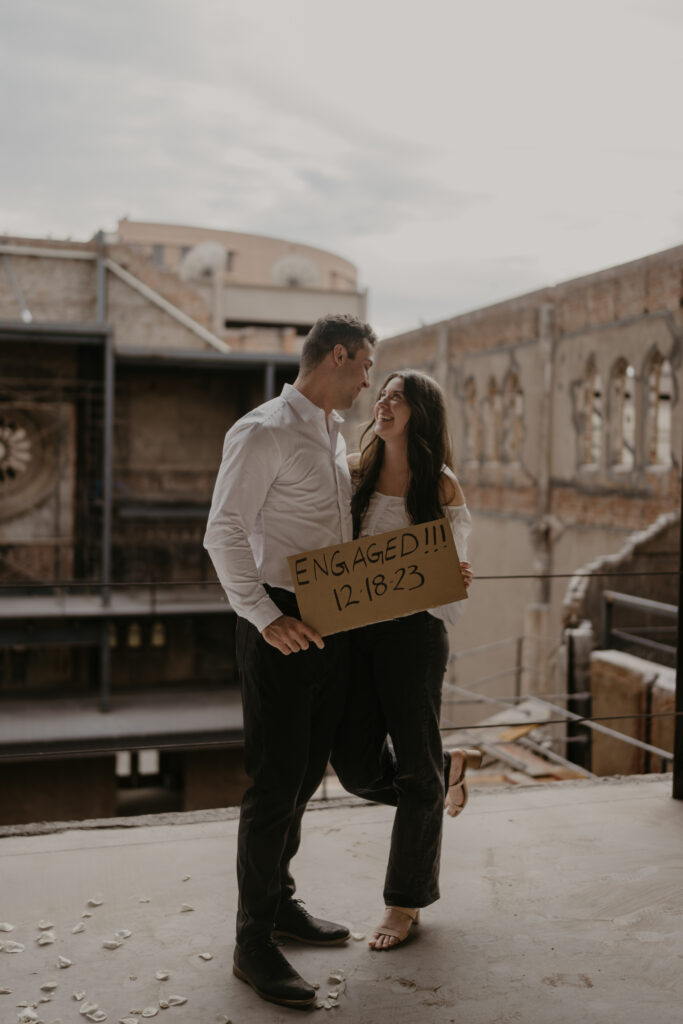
590, 441
622, 417
471, 421
513, 419
659, 377
491, 422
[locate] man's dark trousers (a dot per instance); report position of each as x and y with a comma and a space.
292, 707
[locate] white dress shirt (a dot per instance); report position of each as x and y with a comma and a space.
283, 487
386, 512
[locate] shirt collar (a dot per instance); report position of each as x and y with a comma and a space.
304, 407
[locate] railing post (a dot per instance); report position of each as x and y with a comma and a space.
105, 664
605, 620
678, 721
107, 467
269, 382
518, 667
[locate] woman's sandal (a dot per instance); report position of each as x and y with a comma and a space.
385, 928
462, 758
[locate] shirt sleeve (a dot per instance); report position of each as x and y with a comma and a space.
461, 526
251, 459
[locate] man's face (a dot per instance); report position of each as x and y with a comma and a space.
353, 374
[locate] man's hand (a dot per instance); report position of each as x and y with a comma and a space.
466, 574
290, 635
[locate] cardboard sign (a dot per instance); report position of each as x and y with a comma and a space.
377, 578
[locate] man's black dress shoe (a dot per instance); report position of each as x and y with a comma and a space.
272, 976
294, 922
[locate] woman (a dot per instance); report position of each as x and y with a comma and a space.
403, 475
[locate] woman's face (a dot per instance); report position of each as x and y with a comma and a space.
392, 411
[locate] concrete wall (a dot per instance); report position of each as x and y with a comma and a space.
66, 790
55, 290
624, 685
214, 778
253, 256
297, 306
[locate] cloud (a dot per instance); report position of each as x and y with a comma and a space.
445, 148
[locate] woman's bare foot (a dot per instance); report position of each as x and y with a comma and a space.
394, 928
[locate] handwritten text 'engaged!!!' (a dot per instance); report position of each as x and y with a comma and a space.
377, 578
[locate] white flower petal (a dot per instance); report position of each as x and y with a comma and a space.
12, 947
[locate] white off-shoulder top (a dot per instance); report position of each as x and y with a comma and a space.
387, 512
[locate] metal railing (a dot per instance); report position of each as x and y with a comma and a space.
635, 635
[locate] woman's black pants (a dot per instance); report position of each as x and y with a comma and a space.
395, 689
292, 707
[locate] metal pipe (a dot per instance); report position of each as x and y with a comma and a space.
642, 604
269, 383
643, 641
518, 667
51, 254
105, 666
101, 285
677, 791
605, 620
608, 732
168, 307
577, 718
543, 542
107, 467
551, 755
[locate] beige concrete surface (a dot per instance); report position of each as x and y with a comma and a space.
560, 904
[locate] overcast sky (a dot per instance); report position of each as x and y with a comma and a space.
457, 152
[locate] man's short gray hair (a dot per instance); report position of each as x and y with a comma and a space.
334, 329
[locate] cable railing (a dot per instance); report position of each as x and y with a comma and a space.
158, 598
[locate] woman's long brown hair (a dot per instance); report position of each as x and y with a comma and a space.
429, 450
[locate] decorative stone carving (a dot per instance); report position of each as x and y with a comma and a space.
27, 458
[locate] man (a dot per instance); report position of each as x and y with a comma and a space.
284, 487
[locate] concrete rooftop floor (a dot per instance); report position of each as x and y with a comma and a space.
560, 903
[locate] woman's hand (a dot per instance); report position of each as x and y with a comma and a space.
466, 574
